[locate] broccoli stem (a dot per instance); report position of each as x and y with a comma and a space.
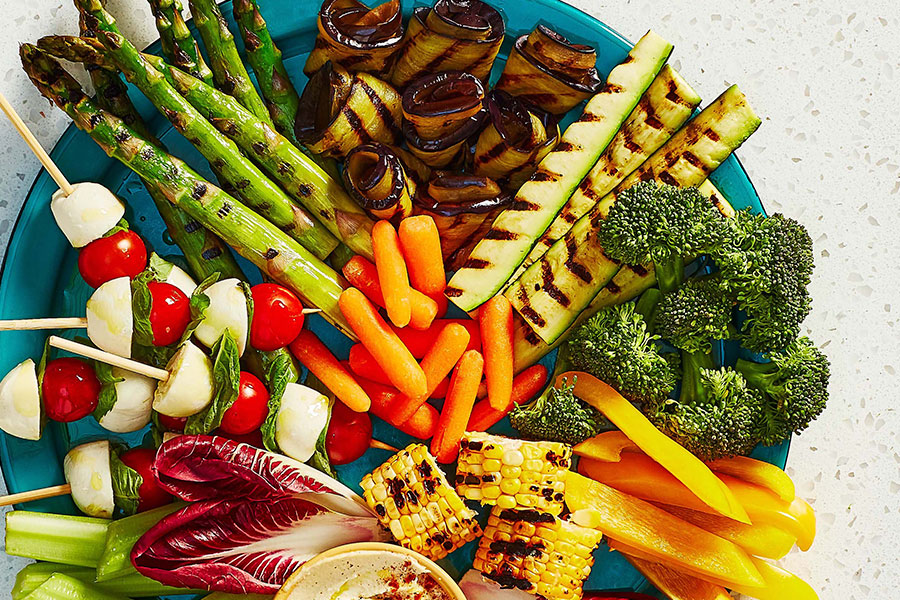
648, 306
669, 272
692, 392
761, 376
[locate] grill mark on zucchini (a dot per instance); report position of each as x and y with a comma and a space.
355, 123
524, 206
476, 263
381, 108
544, 175
501, 234
528, 313
577, 269
550, 288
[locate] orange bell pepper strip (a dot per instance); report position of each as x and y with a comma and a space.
675, 584
686, 467
652, 530
642, 477
757, 471
767, 541
607, 446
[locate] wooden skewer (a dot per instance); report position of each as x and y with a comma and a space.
49, 323
382, 446
47, 492
311, 311
108, 358
36, 147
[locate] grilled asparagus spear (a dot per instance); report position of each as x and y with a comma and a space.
178, 45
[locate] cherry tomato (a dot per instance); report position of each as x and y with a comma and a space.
175, 424
349, 434
70, 389
123, 254
277, 317
249, 409
170, 312
141, 460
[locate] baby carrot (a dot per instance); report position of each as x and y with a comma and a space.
363, 365
382, 343
310, 351
423, 309
421, 244
420, 342
525, 386
441, 390
457, 407
392, 273
496, 320
384, 398
446, 351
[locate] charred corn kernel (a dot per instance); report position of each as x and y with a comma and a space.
414, 500
536, 552
513, 473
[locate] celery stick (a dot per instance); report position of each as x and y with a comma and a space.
62, 539
133, 585
63, 587
115, 560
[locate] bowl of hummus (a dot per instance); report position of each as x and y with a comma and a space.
370, 571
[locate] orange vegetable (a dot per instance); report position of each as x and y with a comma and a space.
392, 273
310, 351
384, 398
363, 275
526, 386
767, 541
607, 446
457, 406
381, 341
420, 342
759, 472
441, 390
446, 351
421, 244
496, 320
655, 532
686, 467
363, 364
642, 477
677, 585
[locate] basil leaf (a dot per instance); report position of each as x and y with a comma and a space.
160, 266
108, 395
248, 294
126, 484
141, 305
226, 379
199, 304
122, 225
42, 366
319, 460
280, 370
155, 356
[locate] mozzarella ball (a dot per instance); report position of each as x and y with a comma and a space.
189, 387
87, 214
134, 400
20, 402
88, 472
227, 310
110, 322
302, 417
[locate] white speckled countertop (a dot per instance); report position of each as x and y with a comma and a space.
823, 73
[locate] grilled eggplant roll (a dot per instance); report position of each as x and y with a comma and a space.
550, 72
453, 35
339, 111
375, 177
463, 208
441, 112
515, 140
356, 37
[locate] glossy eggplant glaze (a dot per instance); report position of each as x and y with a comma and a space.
548, 71
356, 37
375, 177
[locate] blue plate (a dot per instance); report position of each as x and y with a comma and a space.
40, 279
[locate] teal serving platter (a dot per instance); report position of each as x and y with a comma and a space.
40, 277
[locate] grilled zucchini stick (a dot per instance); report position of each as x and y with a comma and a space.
665, 107
555, 289
494, 260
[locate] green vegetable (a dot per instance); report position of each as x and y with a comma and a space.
270, 249
319, 460
558, 416
64, 587
794, 385
178, 45
279, 370
62, 539
133, 585
126, 483
695, 314
141, 307
226, 378
616, 347
114, 556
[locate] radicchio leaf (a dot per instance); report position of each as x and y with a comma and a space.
200, 467
244, 546
226, 379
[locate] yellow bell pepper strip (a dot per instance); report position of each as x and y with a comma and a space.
642, 477
607, 446
767, 541
780, 584
757, 471
656, 532
686, 467
677, 585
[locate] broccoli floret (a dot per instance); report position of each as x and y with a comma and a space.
664, 225
766, 266
794, 385
715, 415
615, 346
695, 314
558, 416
